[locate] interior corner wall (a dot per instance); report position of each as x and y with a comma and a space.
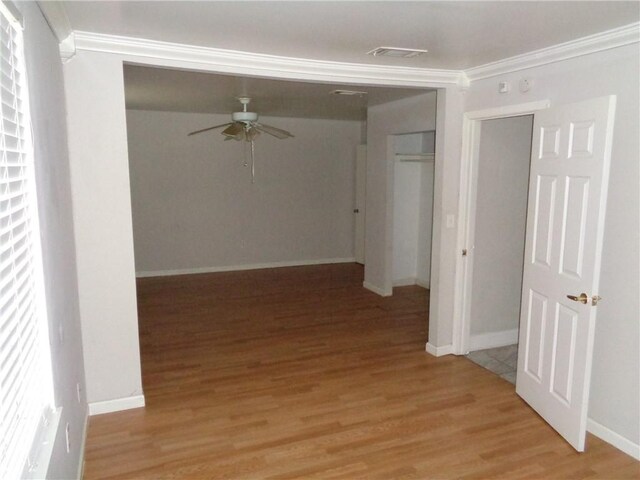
615, 379
103, 233
500, 224
408, 115
196, 209
46, 92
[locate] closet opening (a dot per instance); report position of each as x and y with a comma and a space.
413, 173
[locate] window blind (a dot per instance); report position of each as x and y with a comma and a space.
25, 371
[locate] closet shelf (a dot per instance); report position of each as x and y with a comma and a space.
415, 157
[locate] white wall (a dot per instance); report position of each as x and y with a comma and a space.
103, 233
194, 206
44, 72
501, 213
615, 385
402, 116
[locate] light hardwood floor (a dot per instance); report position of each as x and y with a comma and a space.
301, 373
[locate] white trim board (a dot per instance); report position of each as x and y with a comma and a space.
438, 351
380, 291
56, 16
234, 268
617, 37
405, 282
482, 341
468, 157
83, 443
116, 405
613, 438
247, 63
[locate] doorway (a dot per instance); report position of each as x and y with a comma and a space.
498, 239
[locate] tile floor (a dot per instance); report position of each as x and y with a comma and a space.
502, 361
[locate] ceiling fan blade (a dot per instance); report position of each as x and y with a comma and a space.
276, 132
210, 128
234, 130
252, 133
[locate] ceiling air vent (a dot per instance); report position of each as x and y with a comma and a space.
352, 93
396, 52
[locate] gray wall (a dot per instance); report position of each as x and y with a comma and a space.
615, 380
194, 206
44, 71
501, 213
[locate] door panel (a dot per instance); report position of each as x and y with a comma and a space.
536, 321
567, 199
542, 236
574, 223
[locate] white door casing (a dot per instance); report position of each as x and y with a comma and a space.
359, 210
472, 123
570, 159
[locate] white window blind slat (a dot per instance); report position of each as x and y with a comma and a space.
25, 370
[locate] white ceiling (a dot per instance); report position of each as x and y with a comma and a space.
149, 88
458, 35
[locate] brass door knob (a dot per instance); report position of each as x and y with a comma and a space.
584, 299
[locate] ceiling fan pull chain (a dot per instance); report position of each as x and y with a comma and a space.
244, 154
253, 163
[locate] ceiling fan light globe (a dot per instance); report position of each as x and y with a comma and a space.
244, 116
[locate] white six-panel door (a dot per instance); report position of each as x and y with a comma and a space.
567, 197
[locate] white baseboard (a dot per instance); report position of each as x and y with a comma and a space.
374, 289
116, 405
493, 339
439, 351
233, 268
615, 439
80, 473
404, 282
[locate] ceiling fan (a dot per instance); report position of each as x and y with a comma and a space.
244, 126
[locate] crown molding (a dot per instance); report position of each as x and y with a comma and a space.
56, 16
178, 55
246, 63
598, 42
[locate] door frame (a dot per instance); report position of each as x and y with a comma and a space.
466, 211
360, 208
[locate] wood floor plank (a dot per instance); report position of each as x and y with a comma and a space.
301, 373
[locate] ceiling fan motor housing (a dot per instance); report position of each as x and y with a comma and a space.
244, 116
